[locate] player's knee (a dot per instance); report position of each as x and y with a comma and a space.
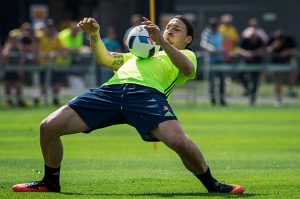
47, 129
179, 143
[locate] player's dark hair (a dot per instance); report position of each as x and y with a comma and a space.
190, 28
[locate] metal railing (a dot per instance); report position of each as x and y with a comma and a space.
89, 69
85, 68
239, 65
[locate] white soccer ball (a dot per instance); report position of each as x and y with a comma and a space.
140, 44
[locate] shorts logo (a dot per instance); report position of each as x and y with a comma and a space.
168, 112
166, 108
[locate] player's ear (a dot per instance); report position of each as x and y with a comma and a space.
188, 39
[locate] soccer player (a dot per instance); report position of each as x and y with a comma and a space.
136, 95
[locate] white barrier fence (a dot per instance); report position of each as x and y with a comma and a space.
89, 71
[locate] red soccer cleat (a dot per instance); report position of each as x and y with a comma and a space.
237, 189
37, 186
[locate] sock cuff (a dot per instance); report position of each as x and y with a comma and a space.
207, 180
206, 173
50, 169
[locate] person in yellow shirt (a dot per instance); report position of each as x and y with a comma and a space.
50, 46
230, 36
50, 52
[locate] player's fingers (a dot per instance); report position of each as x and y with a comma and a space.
85, 20
79, 24
91, 20
96, 25
148, 27
146, 21
151, 27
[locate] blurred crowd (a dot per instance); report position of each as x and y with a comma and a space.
44, 44
39, 46
252, 46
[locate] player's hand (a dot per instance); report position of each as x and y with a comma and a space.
153, 30
89, 25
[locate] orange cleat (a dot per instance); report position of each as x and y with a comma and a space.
237, 189
228, 188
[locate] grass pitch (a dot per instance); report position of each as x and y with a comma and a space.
257, 147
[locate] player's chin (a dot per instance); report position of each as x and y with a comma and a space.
169, 40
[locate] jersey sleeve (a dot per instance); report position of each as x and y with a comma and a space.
181, 78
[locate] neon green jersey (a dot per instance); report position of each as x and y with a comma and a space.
69, 41
156, 72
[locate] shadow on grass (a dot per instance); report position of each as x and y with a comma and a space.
164, 195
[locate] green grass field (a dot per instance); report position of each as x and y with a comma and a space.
257, 147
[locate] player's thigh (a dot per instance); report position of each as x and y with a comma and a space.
171, 133
64, 121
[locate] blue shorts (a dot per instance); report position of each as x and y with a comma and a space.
139, 106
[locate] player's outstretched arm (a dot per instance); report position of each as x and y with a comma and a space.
102, 55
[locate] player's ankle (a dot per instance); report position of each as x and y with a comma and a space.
51, 175
207, 180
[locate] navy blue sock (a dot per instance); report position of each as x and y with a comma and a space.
51, 175
207, 180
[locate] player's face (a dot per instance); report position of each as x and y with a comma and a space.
176, 34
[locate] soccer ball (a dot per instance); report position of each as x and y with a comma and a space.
140, 44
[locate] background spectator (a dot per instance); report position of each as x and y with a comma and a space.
230, 36
13, 80
212, 41
110, 40
28, 43
251, 49
29, 55
254, 24
72, 39
164, 20
283, 49
135, 20
51, 51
